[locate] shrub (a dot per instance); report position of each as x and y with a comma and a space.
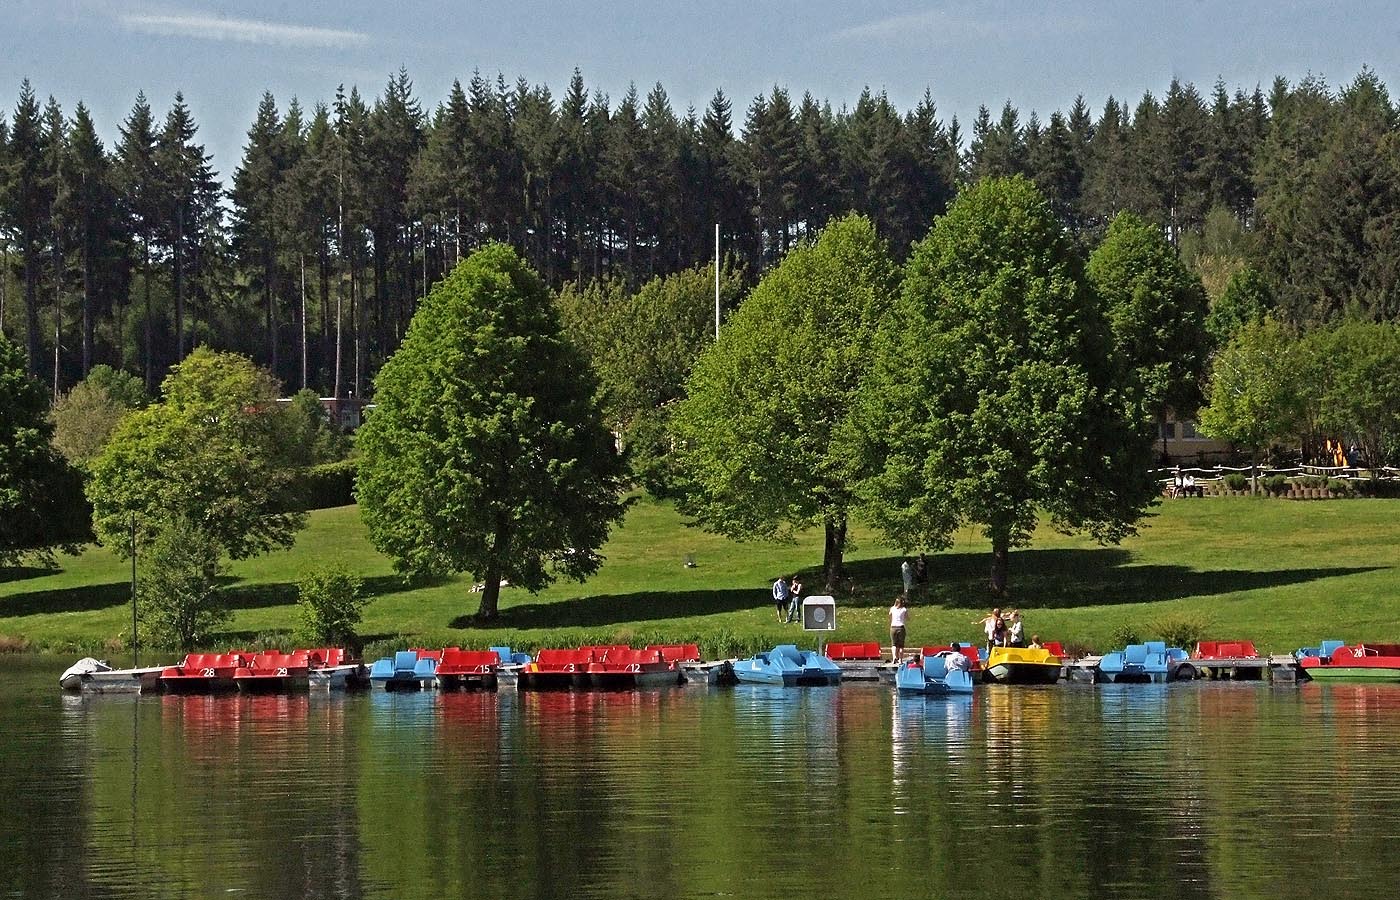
1276, 485
1377, 487
1338, 487
1179, 630
1313, 481
327, 485
1124, 635
331, 606
179, 600
1236, 481
9, 644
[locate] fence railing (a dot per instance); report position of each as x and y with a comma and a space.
1168, 475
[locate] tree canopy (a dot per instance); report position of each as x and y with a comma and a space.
40, 496
760, 428
211, 452
1256, 390
991, 389
487, 451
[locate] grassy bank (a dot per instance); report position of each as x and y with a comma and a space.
1279, 572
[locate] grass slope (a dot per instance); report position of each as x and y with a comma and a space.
1279, 572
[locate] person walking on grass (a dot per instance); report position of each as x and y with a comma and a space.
906, 574
780, 596
794, 599
899, 618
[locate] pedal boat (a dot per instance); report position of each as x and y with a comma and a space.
931, 675
1361, 662
1019, 665
788, 666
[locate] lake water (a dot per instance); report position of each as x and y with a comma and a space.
1192, 790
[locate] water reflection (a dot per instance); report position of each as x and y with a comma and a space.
1197, 790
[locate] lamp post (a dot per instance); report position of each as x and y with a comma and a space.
135, 652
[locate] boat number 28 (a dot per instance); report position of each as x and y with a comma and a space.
207, 673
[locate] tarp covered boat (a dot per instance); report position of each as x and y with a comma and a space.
787, 665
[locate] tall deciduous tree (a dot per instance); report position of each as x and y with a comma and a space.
210, 453
760, 428
1156, 311
487, 452
991, 393
1256, 390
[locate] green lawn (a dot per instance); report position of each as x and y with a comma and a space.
1279, 572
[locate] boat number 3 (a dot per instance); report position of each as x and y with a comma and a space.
281, 672
207, 673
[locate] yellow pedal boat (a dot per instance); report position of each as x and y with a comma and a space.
1019, 665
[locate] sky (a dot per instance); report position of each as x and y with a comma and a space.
1037, 53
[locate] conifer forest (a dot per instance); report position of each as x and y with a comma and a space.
310, 252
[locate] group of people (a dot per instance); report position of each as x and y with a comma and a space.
787, 597
1006, 630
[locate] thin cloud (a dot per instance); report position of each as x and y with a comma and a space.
245, 31
949, 25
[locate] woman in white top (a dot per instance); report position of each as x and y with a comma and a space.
899, 617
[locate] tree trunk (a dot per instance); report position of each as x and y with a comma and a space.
31, 304
832, 555
87, 305
491, 592
179, 283
146, 288
301, 261
1001, 552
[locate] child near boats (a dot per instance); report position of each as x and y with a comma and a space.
1035, 642
899, 617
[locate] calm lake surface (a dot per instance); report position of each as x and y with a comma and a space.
1192, 790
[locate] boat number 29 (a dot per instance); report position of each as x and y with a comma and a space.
281, 673
207, 673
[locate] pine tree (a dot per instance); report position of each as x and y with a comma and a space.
27, 209
256, 184
138, 186
99, 240
190, 205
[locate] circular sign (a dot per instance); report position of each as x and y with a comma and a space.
819, 615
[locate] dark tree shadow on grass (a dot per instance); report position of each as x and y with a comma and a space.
91, 597
1043, 579
11, 574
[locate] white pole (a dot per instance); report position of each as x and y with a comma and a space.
716, 281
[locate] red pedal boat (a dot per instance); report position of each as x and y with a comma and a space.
1361, 662
204, 673
625, 669
472, 670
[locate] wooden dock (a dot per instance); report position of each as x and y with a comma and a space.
1281, 668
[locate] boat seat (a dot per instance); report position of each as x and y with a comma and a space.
1155, 646
789, 651
1327, 648
405, 660
1135, 654
935, 667
1054, 648
677, 652
1207, 649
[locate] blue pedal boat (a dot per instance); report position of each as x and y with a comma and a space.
408, 670
788, 666
932, 676
1149, 662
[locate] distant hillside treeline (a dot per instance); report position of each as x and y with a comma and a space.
309, 256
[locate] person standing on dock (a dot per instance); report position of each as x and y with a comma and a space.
994, 627
899, 617
1015, 632
780, 596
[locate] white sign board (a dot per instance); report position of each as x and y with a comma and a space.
819, 614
